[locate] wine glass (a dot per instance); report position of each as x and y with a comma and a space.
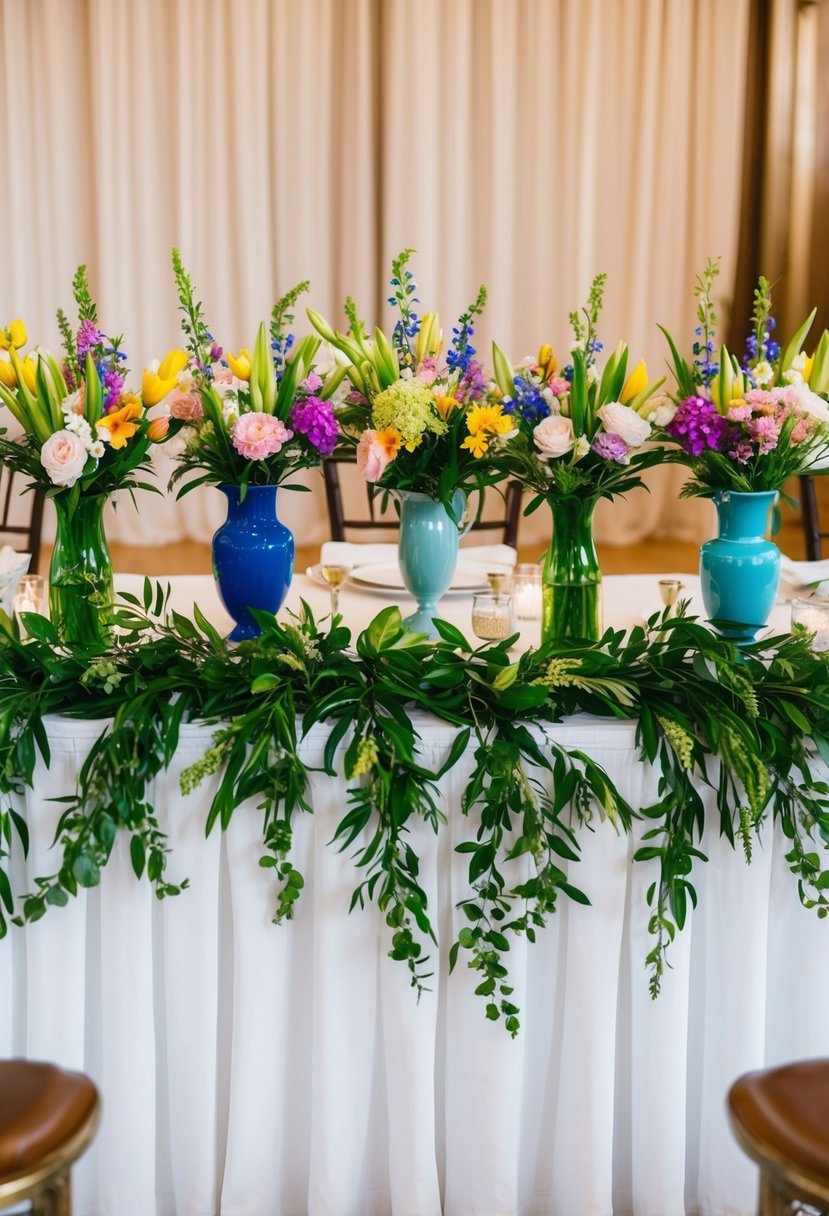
335, 576
669, 589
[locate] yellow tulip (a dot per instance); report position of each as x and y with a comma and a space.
807, 368
173, 362
636, 383
239, 364
154, 389
13, 335
7, 376
547, 362
29, 374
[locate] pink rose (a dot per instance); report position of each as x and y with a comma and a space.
185, 406
559, 387
554, 436
256, 436
63, 456
372, 456
222, 374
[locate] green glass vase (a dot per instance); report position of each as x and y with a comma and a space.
571, 577
80, 575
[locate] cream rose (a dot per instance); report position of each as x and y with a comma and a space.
621, 420
63, 456
554, 436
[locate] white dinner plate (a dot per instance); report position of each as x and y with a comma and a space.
386, 576
379, 578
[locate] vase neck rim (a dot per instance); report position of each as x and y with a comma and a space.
744, 495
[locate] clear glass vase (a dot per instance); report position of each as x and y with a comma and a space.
571, 576
80, 575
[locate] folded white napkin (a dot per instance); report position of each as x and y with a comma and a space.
800, 575
499, 559
13, 566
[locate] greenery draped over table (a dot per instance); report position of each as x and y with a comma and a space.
751, 724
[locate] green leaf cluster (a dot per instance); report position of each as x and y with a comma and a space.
751, 725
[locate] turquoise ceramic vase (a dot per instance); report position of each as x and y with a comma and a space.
740, 570
428, 553
253, 558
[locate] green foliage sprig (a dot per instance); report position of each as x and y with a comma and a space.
752, 726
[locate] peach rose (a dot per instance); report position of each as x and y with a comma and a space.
554, 436
63, 456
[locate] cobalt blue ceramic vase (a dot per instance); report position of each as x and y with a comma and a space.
740, 570
253, 558
428, 553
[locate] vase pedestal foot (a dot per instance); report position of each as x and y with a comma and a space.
422, 621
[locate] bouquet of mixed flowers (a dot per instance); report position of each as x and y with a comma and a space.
420, 421
83, 431
244, 419
748, 426
579, 432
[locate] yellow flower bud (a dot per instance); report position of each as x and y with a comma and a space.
547, 362
158, 429
173, 362
13, 335
445, 405
7, 376
29, 372
154, 389
808, 364
239, 364
636, 383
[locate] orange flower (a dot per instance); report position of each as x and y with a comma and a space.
122, 424
158, 429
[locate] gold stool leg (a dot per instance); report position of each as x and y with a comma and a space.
55, 1196
772, 1201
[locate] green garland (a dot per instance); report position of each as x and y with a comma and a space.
753, 725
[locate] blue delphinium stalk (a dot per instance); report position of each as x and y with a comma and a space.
461, 351
706, 366
408, 324
760, 348
527, 401
281, 321
585, 334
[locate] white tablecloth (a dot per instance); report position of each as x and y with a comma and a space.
252, 1070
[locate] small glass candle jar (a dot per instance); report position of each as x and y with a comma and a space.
32, 589
813, 616
492, 616
526, 592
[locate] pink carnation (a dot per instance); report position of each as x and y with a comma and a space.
256, 436
765, 433
427, 372
559, 387
222, 374
801, 430
372, 456
185, 406
311, 383
739, 413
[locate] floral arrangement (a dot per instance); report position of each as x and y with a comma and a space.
244, 419
748, 426
84, 432
420, 421
579, 432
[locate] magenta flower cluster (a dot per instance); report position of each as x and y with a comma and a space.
698, 426
315, 419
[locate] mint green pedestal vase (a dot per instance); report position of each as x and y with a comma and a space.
428, 554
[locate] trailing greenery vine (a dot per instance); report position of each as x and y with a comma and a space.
752, 725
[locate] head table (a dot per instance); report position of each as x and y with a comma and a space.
256, 1070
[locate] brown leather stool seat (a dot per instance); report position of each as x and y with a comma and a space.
47, 1118
780, 1116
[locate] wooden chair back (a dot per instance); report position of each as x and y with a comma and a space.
21, 516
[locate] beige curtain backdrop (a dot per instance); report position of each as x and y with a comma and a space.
527, 144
